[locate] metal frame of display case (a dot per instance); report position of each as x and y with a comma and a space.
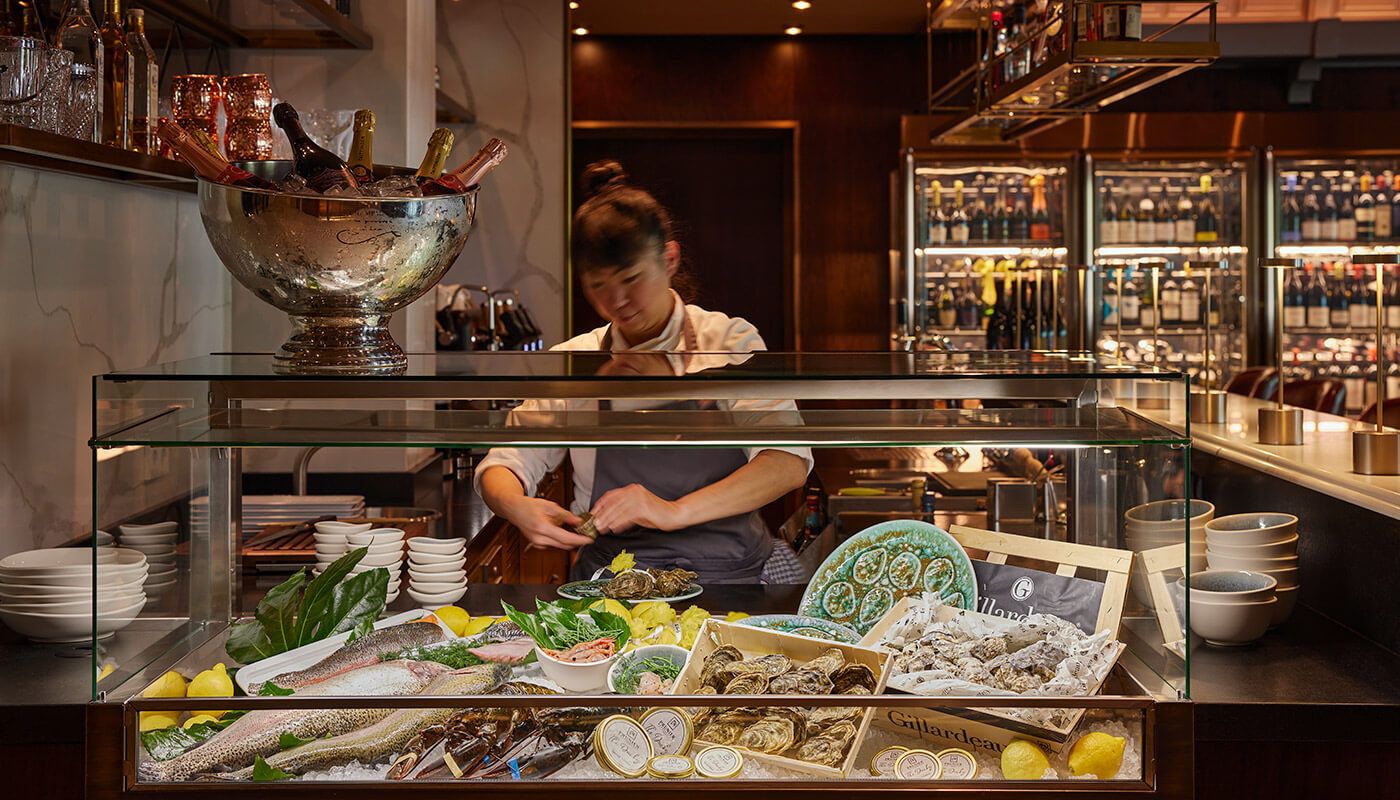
220, 399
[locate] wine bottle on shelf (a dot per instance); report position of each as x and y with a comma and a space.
1291, 227
938, 221
1170, 306
946, 308
1392, 302
143, 85
1356, 298
1337, 301
1040, 213
435, 157
1185, 217
1108, 224
116, 68
1146, 219
1190, 301
979, 224
1110, 300
1165, 227
1365, 210
1207, 226
1130, 303
1383, 219
1001, 216
1330, 218
79, 34
1148, 305
969, 314
465, 177
362, 146
1020, 220
1127, 221
320, 168
1346, 216
209, 166
1318, 315
1366, 297
1295, 302
1312, 215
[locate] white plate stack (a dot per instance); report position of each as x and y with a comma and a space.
281, 509
1264, 542
157, 541
385, 552
436, 574
47, 595
1158, 524
332, 541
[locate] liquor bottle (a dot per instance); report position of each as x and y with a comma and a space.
1149, 306
1040, 214
1346, 216
969, 314
938, 221
1337, 301
116, 68
1213, 302
1186, 218
1131, 304
1110, 300
143, 85
78, 33
1356, 298
29, 23
1392, 305
1383, 210
1295, 302
1312, 216
1190, 301
1365, 212
1365, 297
1000, 317
980, 225
1354, 379
1330, 217
1165, 227
1001, 217
362, 146
1318, 316
1291, 229
1207, 227
946, 309
1108, 224
1020, 220
960, 230
1146, 220
1170, 306
209, 166
1127, 221
320, 168
1000, 44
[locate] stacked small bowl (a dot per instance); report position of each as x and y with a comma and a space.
332, 541
157, 542
385, 552
1265, 543
436, 570
1158, 524
47, 595
1231, 607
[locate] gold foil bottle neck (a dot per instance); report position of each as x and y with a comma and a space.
435, 157
362, 146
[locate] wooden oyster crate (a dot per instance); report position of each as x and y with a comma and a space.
989, 730
760, 642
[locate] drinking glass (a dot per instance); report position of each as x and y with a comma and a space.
195, 97
55, 95
248, 140
23, 61
248, 97
80, 117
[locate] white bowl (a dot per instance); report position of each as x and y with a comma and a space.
386, 547
394, 571
438, 599
155, 528
1230, 586
45, 627
64, 594
56, 558
153, 549
424, 544
1253, 528
1287, 577
329, 549
1219, 560
1279, 549
675, 653
429, 569
455, 576
1167, 515
105, 607
129, 539
436, 587
105, 539
588, 677
342, 529
1287, 601
330, 538
415, 557
75, 583
378, 536
1231, 624
382, 560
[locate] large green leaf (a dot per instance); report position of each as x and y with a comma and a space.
278, 609
263, 772
354, 605
166, 743
320, 594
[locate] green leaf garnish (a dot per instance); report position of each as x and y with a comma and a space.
271, 689
289, 740
263, 772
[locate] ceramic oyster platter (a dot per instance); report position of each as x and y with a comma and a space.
587, 590
798, 625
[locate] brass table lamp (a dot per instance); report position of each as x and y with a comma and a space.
1377, 451
1280, 425
1209, 405
1152, 398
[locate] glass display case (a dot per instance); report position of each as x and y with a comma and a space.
1174, 215
987, 255
1042, 493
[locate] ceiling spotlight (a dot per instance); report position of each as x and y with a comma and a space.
580, 31
801, 5
792, 30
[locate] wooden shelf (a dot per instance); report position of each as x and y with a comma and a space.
48, 151
452, 111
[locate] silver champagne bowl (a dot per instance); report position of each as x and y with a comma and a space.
339, 267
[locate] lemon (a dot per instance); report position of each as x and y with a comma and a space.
653, 613
213, 682
1023, 761
106, 670
197, 719
478, 624
612, 607
735, 616
159, 720
455, 618
171, 684
1097, 754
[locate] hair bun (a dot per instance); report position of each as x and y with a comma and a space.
602, 176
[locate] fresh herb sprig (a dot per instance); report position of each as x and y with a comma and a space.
559, 626
631, 674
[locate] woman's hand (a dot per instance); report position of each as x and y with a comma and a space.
541, 521
633, 506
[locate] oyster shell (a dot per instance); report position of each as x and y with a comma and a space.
773, 665
747, 683
769, 735
671, 582
634, 584
722, 657
854, 679
820, 719
821, 750
722, 732
828, 662
801, 681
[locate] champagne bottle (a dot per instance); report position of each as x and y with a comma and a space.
143, 84
203, 139
362, 146
435, 157
465, 177
322, 169
116, 69
208, 165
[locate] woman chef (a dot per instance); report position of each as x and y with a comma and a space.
696, 507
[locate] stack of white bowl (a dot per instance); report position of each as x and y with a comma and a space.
157, 541
1265, 542
47, 595
105, 539
1160, 523
385, 552
436, 574
332, 541
1231, 607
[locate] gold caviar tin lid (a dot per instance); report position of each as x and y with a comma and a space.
620, 744
918, 765
882, 763
957, 764
719, 761
670, 766
670, 729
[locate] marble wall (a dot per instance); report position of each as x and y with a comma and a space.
507, 61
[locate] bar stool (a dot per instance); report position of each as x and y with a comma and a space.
1254, 382
1317, 394
1392, 413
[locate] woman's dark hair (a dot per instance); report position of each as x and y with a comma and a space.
617, 223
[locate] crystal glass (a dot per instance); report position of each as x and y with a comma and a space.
80, 118
332, 128
23, 63
55, 95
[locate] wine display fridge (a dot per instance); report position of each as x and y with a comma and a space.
1324, 212
1157, 228
982, 260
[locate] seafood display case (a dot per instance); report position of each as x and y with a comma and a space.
939, 651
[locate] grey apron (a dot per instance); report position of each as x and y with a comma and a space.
730, 550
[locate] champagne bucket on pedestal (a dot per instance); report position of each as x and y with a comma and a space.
338, 266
